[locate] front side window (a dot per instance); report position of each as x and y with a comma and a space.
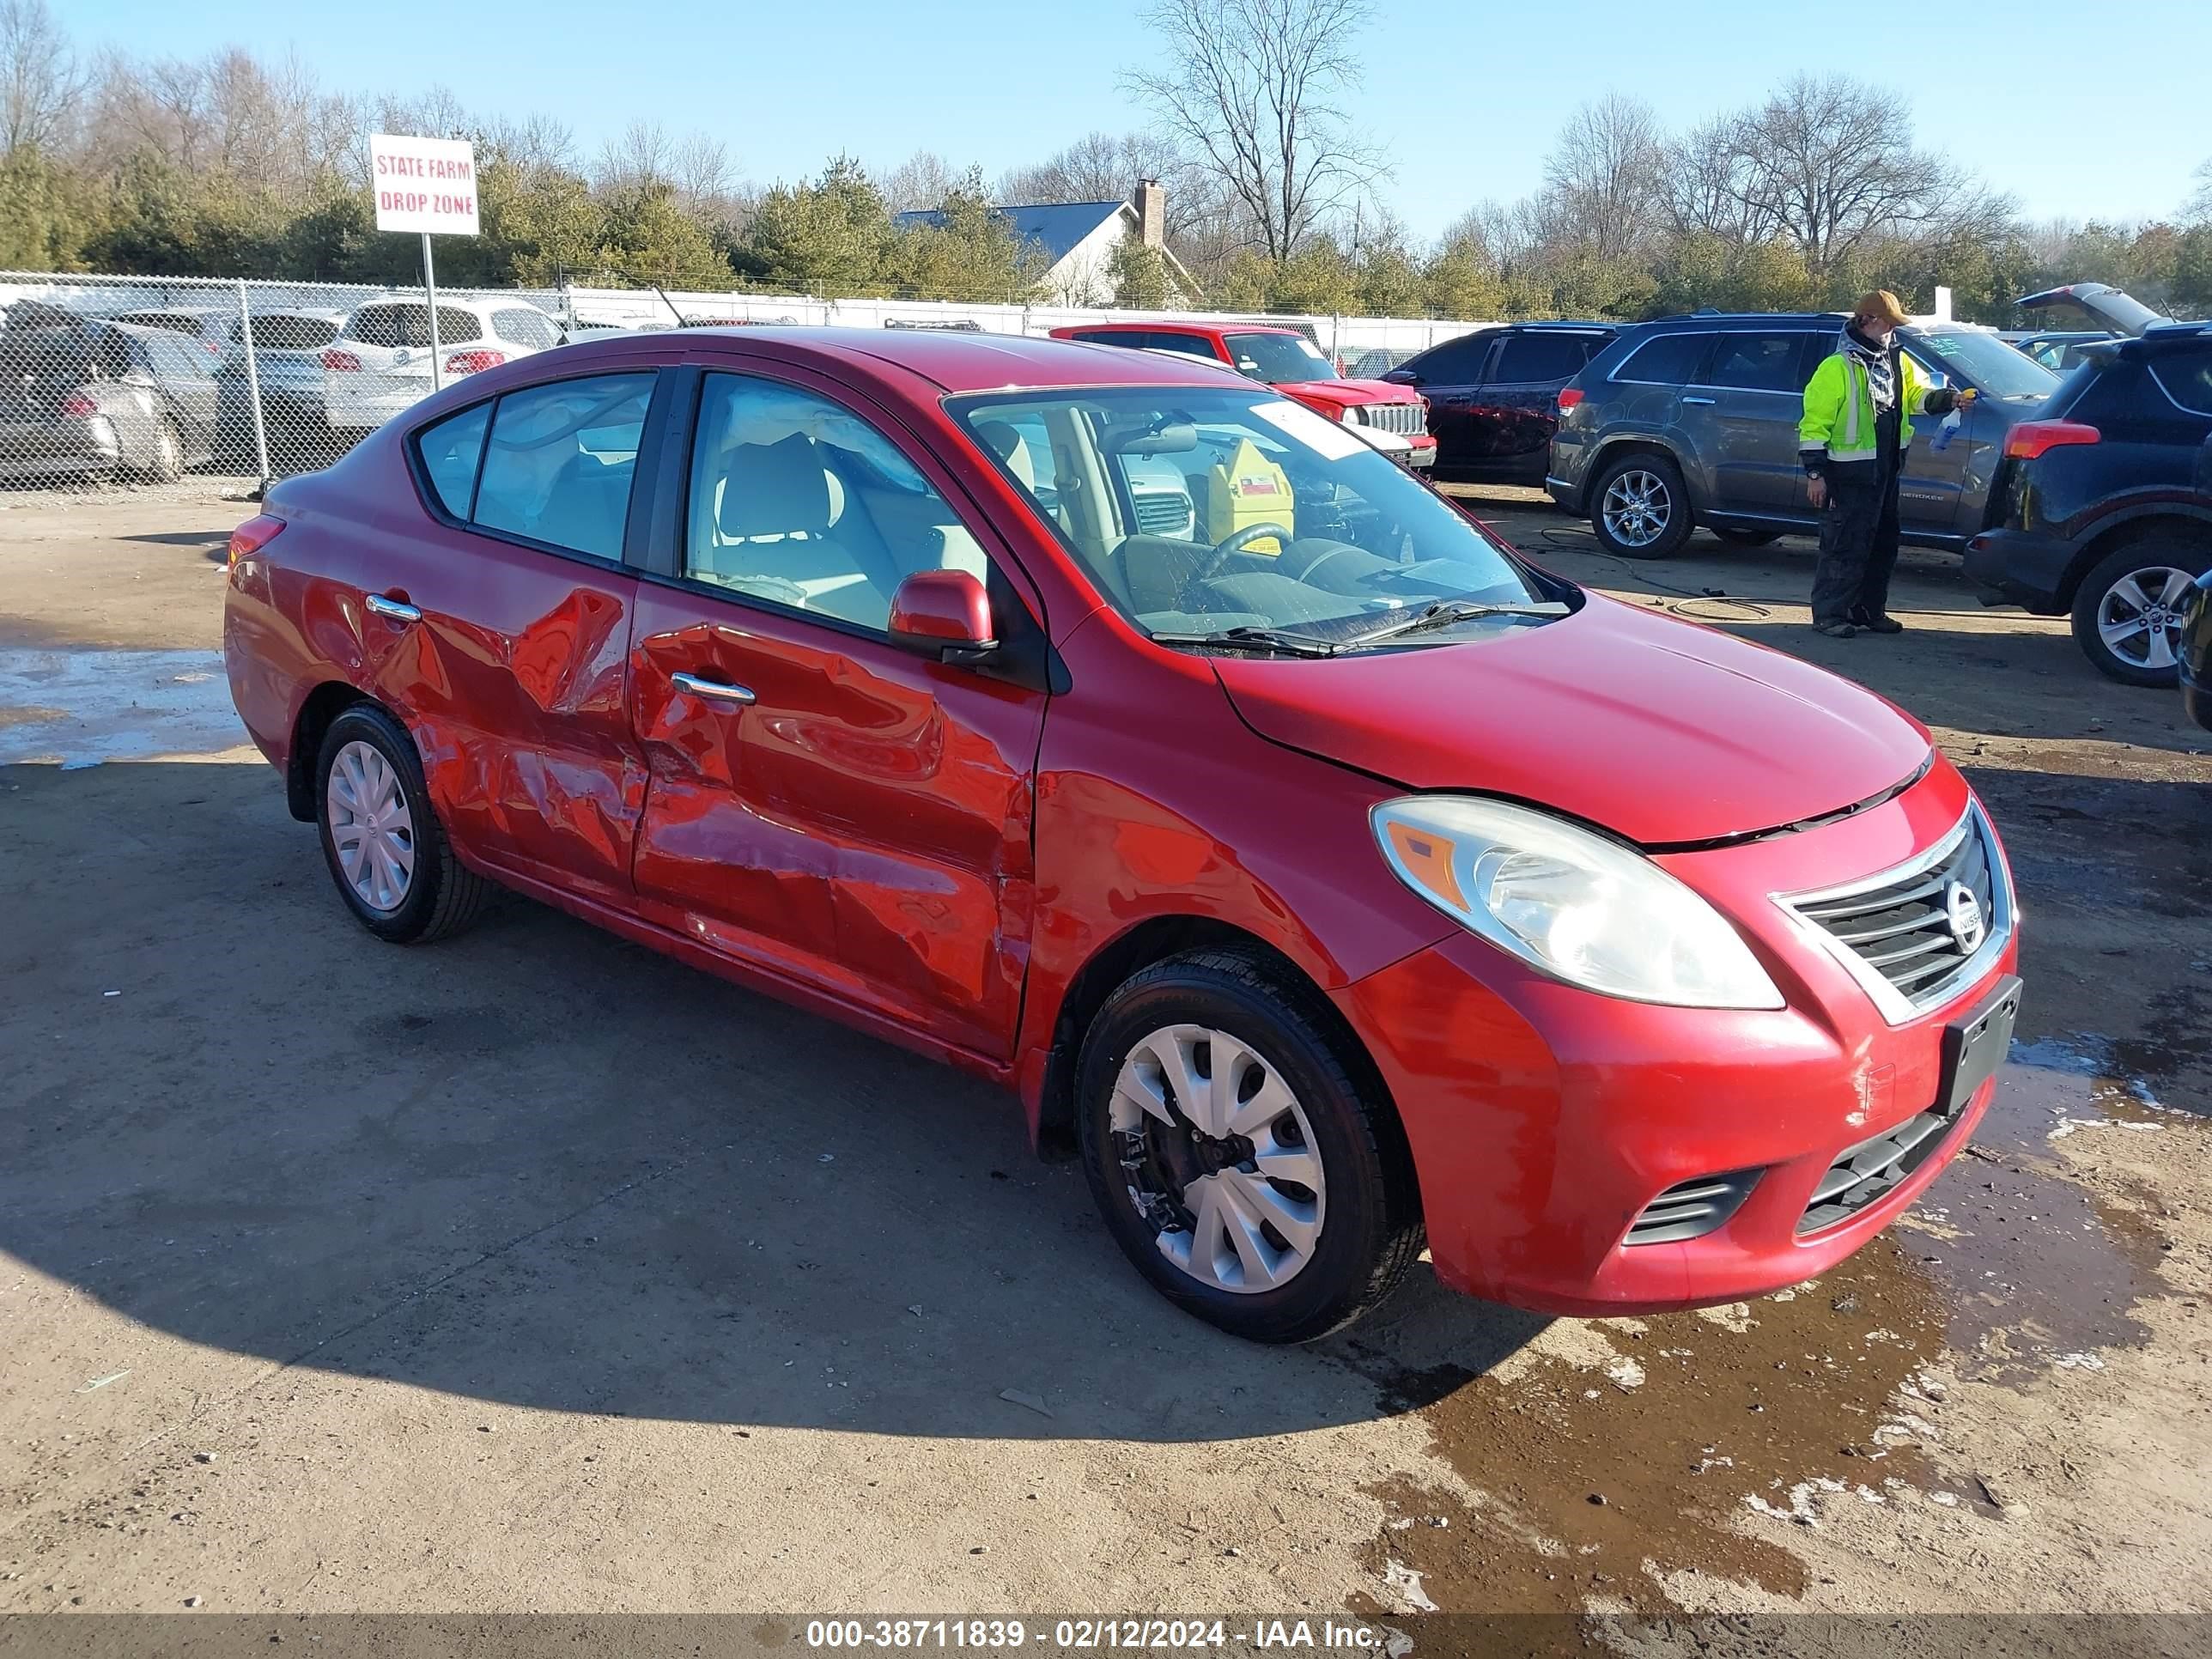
1757, 363
1664, 360
1202, 510
796, 501
559, 463
1455, 362
1278, 359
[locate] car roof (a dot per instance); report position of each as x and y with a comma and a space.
1745, 319
974, 362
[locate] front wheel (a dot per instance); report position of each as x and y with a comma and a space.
2128, 612
166, 463
1235, 1159
1642, 508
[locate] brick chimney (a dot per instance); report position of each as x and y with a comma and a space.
1152, 205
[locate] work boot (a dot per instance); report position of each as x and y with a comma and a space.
1835, 630
1872, 622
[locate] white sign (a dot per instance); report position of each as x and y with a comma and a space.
424, 184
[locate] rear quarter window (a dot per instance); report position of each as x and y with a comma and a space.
451, 452
2187, 377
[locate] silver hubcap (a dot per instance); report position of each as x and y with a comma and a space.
1638, 508
1219, 1158
2139, 617
371, 826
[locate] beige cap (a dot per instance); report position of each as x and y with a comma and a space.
1880, 303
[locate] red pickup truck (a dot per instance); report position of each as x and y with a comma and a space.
1285, 360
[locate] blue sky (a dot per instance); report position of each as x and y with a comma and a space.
1465, 99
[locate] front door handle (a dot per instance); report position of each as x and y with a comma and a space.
1688, 400
397, 610
712, 690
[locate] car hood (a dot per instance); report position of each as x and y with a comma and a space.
1349, 392
1660, 730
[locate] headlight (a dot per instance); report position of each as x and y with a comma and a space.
1572, 904
1351, 417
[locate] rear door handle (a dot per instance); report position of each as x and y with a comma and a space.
397, 610
1687, 400
712, 690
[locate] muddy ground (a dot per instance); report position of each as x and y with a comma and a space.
534, 1271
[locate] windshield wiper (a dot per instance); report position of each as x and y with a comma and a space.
1445, 612
1245, 637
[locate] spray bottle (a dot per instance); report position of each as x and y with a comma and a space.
1949, 429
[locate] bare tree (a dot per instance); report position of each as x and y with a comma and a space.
2199, 206
1829, 162
536, 143
40, 81
1705, 184
924, 179
1252, 91
1602, 179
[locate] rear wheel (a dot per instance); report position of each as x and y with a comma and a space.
381, 837
2128, 612
1641, 509
1235, 1159
166, 463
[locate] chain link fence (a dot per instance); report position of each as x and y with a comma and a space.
126, 382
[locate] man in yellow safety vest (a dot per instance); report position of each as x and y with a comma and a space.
1857, 424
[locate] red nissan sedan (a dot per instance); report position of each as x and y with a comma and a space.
1125, 732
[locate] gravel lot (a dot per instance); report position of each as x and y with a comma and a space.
533, 1272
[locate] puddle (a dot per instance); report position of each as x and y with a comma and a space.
74, 708
1781, 1409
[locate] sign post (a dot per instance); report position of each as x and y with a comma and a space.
428, 185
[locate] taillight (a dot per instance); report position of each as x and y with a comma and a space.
256, 533
474, 363
78, 407
1569, 397
341, 363
2032, 438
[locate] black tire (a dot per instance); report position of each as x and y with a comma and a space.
1746, 538
1664, 487
443, 896
1370, 1228
166, 463
2154, 553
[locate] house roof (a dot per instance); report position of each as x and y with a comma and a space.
1054, 227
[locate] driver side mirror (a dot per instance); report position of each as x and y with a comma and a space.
944, 614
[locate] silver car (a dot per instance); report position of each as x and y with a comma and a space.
1694, 420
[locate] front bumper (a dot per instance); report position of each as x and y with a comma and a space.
1544, 1120
2197, 700
2027, 570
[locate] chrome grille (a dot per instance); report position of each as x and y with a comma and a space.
1404, 419
1916, 935
1164, 514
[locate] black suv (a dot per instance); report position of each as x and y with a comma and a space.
1493, 396
1693, 420
2106, 501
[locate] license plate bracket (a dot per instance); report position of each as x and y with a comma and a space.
1974, 1047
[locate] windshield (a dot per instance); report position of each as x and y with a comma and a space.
1197, 511
1985, 362
1278, 358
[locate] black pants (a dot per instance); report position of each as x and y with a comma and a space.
1858, 542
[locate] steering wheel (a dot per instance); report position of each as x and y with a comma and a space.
1237, 542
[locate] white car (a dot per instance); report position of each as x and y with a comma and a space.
380, 363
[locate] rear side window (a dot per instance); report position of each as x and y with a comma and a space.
2187, 378
405, 326
1665, 360
1191, 345
527, 328
450, 452
1757, 363
1530, 358
558, 464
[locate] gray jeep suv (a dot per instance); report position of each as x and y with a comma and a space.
1693, 420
